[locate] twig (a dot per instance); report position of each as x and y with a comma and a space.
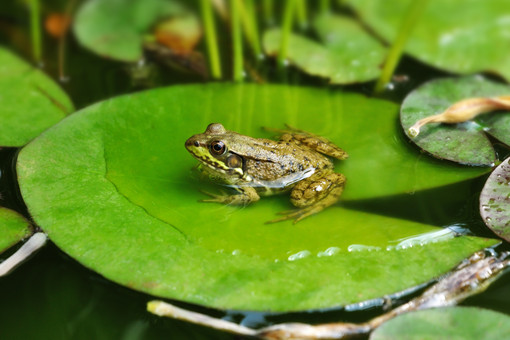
288, 16
33, 244
409, 21
211, 38
35, 30
237, 41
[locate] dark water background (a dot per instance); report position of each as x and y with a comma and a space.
53, 297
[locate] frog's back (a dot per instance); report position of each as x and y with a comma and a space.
279, 163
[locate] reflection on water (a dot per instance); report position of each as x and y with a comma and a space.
432, 237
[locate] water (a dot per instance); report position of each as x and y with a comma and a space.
54, 297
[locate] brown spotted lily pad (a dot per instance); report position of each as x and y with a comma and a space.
495, 200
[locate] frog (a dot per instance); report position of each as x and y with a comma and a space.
297, 162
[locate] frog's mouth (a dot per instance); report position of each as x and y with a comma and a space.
201, 152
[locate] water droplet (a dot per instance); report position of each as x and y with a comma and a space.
362, 247
328, 252
236, 252
299, 255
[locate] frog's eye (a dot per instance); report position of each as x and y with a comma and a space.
218, 148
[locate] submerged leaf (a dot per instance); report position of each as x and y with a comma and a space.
495, 200
30, 101
464, 143
13, 228
446, 323
116, 28
463, 36
346, 55
180, 34
119, 196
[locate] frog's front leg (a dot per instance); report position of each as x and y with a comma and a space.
314, 194
245, 196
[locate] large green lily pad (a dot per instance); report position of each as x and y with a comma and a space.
116, 28
13, 228
446, 323
30, 101
119, 195
495, 200
463, 36
467, 142
347, 54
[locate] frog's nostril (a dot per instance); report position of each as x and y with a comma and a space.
196, 143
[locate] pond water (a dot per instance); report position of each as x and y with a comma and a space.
54, 297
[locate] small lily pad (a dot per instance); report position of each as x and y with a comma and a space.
13, 228
116, 28
465, 143
462, 36
30, 101
119, 195
446, 323
495, 200
347, 54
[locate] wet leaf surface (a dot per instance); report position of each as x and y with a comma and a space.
465, 143
116, 29
13, 228
120, 197
457, 35
446, 323
346, 53
495, 200
30, 101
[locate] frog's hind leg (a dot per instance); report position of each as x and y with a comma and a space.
314, 142
314, 195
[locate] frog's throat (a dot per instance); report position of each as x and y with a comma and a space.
205, 158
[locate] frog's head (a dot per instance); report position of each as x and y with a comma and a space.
211, 148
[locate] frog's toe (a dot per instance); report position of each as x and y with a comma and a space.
296, 214
288, 215
215, 198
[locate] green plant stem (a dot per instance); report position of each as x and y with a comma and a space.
268, 10
324, 6
302, 14
409, 21
288, 15
249, 22
211, 38
35, 30
237, 41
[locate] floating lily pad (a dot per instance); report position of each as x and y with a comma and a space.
13, 228
465, 143
446, 323
463, 36
347, 54
30, 101
120, 196
495, 200
116, 28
